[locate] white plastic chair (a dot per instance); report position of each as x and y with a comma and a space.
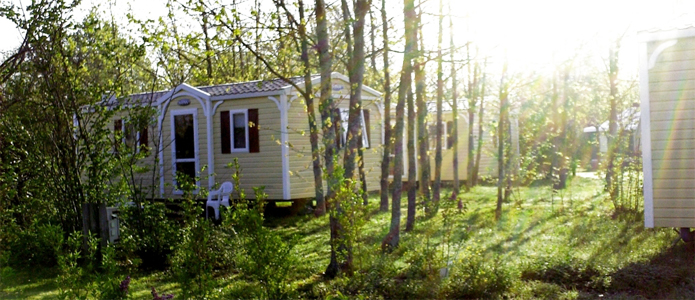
221, 198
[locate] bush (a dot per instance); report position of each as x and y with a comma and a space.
193, 261
567, 271
148, 234
36, 245
264, 257
75, 281
474, 277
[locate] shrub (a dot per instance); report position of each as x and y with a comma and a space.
193, 260
36, 245
110, 286
148, 234
86, 274
474, 277
75, 281
264, 257
567, 271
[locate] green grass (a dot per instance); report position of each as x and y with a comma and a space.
566, 245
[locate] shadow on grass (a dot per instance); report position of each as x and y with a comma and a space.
667, 275
29, 284
661, 276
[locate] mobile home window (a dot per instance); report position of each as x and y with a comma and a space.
343, 115
239, 131
184, 147
432, 131
131, 137
239, 135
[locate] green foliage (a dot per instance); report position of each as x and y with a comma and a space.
36, 245
193, 261
110, 284
76, 281
148, 235
263, 256
475, 277
195, 257
86, 272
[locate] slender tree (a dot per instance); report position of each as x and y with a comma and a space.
412, 162
455, 113
440, 98
206, 39
472, 105
423, 136
327, 107
311, 110
613, 52
481, 131
501, 129
356, 73
393, 237
386, 160
326, 104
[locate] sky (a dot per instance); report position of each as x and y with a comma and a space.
531, 34
534, 33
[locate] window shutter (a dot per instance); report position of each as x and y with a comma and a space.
117, 130
449, 135
336, 126
254, 141
144, 139
225, 133
118, 125
365, 114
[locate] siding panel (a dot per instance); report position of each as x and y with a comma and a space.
674, 222
258, 169
672, 113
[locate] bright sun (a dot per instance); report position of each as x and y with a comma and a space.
533, 33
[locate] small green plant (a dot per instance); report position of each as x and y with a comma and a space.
264, 256
194, 259
110, 286
147, 235
475, 277
77, 281
35, 245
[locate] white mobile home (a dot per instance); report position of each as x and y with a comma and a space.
262, 123
667, 92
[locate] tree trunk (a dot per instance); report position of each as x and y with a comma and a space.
353, 118
354, 121
392, 238
208, 48
412, 189
311, 111
257, 43
508, 156
422, 135
326, 106
360, 169
455, 114
372, 38
440, 98
562, 138
476, 167
385, 162
471, 116
500, 139
613, 118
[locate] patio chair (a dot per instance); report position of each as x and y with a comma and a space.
221, 198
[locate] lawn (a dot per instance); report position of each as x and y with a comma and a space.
566, 245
